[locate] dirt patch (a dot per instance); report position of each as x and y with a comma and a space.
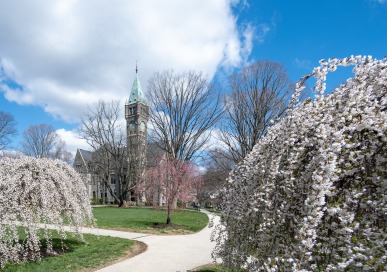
136, 249
155, 231
44, 253
164, 226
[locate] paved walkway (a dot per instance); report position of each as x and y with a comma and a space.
164, 253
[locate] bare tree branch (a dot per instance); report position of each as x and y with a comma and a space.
42, 141
101, 129
184, 109
7, 129
259, 95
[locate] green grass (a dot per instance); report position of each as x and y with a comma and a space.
92, 253
98, 250
143, 219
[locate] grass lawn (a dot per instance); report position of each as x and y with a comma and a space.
96, 251
144, 219
79, 256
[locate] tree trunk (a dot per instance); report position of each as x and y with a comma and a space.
168, 214
119, 200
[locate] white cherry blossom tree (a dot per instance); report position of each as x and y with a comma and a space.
37, 194
312, 194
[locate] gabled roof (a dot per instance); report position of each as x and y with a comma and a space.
136, 95
153, 153
86, 155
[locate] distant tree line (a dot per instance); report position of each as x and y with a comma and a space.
39, 141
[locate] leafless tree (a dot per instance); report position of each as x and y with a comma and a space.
259, 96
106, 135
184, 108
61, 153
7, 129
42, 141
218, 168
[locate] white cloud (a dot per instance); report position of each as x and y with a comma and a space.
214, 141
248, 36
261, 32
67, 53
73, 142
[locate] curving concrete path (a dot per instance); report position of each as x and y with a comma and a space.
164, 253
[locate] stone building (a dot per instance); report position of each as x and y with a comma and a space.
136, 115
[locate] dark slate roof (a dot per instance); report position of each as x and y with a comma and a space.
86, 155
154, 153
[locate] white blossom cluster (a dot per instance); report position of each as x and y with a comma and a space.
38, 194
312, 195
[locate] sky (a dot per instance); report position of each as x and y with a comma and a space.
59, 56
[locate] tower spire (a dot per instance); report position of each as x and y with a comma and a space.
136, 94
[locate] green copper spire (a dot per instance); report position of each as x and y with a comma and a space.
136, 95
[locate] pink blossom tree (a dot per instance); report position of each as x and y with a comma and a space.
311, 196
172, 179
37, 194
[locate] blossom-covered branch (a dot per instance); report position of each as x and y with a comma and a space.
36, 193
311, 196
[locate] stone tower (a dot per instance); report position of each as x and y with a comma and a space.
136, 115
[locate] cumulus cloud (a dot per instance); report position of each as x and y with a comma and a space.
73, 142
65, 54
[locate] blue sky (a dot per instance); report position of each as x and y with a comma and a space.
59, 56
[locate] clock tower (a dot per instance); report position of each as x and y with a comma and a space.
136, 115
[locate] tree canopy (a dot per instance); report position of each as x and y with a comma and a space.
311, 196
184, 107
42, 141
33, 194
259, 95
169, 181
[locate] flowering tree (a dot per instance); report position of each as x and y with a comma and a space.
172, 179
33, 194
311, 196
